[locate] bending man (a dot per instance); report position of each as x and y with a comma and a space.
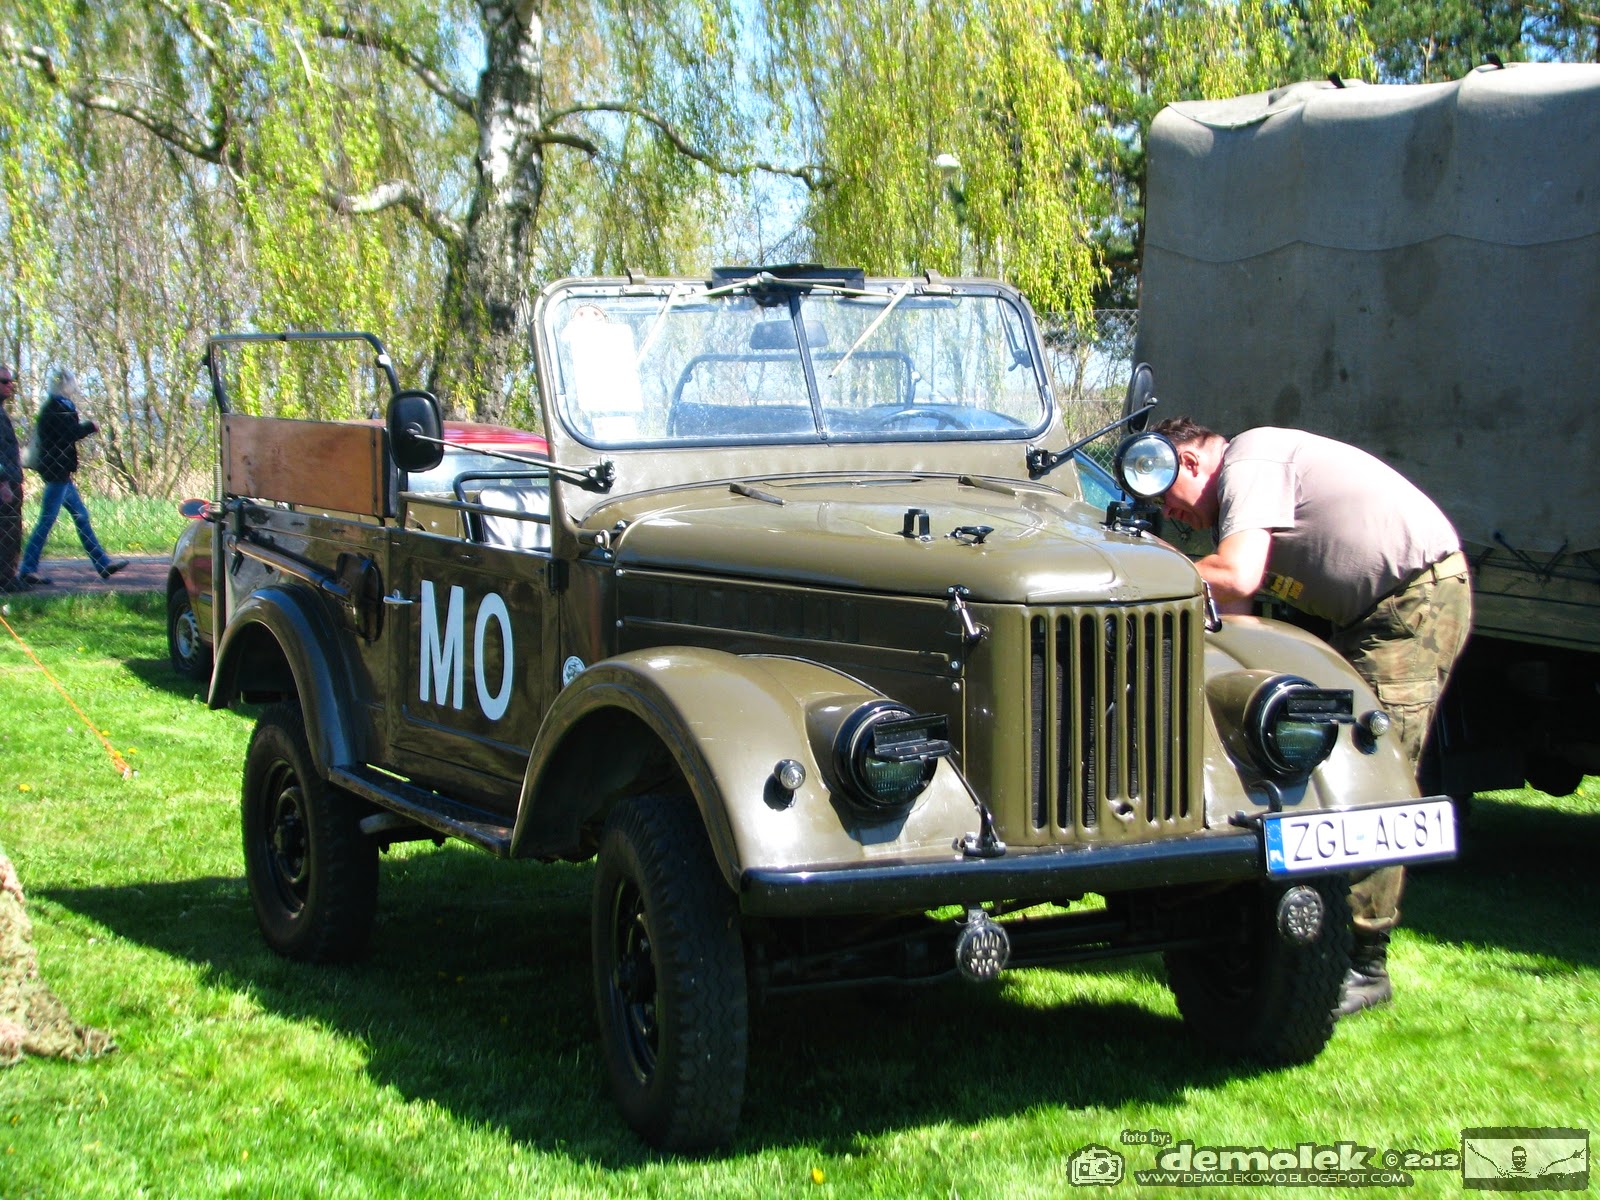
1338, 534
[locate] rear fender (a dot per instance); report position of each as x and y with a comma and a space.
279, 645
716, 725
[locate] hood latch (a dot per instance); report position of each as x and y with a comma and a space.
972, 632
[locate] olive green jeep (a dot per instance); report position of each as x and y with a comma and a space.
801, 636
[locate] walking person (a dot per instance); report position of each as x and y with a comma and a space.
58, 433
1337, 533
10, 487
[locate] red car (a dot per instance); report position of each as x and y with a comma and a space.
190, 578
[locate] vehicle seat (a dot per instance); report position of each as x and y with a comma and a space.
530, 532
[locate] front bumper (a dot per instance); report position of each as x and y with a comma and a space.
1056, 872
1032, 875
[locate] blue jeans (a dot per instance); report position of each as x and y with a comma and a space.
56, 497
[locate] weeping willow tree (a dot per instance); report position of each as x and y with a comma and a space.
1034, 110
405, 166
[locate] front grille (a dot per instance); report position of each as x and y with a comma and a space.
1115, 744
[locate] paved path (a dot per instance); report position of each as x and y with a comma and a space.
144, 573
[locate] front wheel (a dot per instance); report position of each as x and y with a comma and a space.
313, 874
669, 976
1258, 994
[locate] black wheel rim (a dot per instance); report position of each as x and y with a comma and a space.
288, 848
633, 982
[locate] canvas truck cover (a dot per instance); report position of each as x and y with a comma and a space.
1411, 268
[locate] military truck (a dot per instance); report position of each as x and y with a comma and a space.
802, 637
1413, 269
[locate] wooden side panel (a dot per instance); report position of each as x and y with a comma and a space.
327, 465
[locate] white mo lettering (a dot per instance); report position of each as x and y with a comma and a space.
493, 608
442, 658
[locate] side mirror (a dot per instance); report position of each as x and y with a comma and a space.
1141, 398
415, 429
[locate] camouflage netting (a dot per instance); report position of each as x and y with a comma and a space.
32, 1020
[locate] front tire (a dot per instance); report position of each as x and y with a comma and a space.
669, 977
1257, 995
313, 874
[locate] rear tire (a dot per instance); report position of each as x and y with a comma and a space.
1259, 996
669, 976
313, 874
186, 645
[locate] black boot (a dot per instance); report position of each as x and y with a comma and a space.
1367, 984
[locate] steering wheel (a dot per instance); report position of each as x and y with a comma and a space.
906, 416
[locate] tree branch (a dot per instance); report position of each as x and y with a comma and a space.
398, 194
813, 177
431, 79
37, 58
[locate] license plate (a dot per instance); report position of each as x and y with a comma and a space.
1322, 841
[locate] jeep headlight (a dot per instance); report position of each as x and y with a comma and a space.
885, 755
1146, 465
1292, 725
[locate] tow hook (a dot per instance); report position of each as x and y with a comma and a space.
1300, 915
982, 949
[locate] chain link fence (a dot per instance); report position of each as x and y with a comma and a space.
1089, 365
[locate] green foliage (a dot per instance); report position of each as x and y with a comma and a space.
1043, 103
1430, 41
460, 1059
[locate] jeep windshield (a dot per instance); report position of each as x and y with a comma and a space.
764, 360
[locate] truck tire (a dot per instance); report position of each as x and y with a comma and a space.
186, 645
1258, 996
669, 976
313, 874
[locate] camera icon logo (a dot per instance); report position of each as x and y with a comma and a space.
1095, 1166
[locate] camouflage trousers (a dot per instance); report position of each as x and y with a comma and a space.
1405, 649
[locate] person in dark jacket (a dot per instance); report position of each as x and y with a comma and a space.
59, 431
10, 487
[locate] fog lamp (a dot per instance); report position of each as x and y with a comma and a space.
886, 755
1293, 725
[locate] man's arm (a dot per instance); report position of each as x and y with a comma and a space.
1236, 570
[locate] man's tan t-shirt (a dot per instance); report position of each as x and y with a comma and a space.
1347, 528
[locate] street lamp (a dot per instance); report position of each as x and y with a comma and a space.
949, 168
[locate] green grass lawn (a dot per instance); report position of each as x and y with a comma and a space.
459, 1060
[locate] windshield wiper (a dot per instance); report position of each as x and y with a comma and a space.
888, 308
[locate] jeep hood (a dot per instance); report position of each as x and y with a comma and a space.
1043, 547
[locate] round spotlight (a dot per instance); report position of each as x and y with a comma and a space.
1146, 465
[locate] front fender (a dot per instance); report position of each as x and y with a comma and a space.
717, 724
1350, 778
279, 643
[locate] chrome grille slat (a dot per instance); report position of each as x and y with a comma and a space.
1112, 721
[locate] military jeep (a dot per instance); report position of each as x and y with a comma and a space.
801, 636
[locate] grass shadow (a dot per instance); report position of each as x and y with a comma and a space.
157, 673
476, 996
1524, 873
